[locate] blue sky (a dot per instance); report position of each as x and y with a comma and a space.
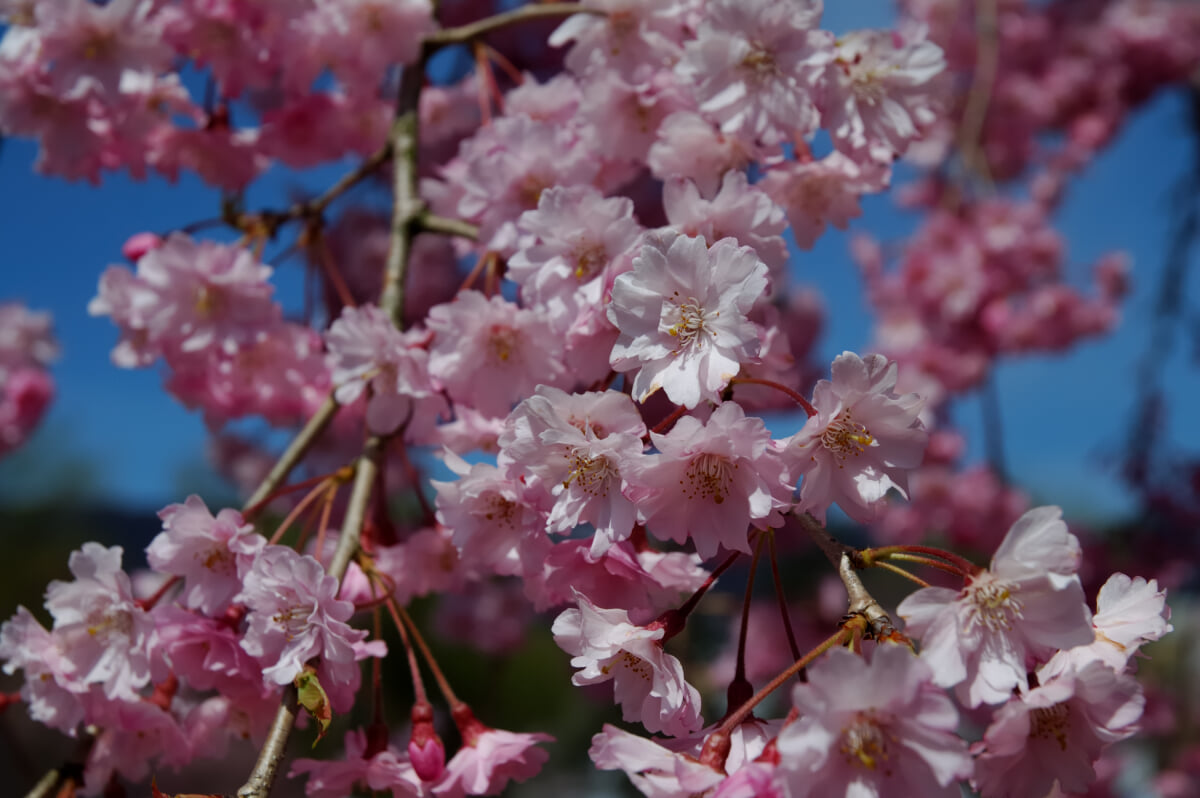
1065, 417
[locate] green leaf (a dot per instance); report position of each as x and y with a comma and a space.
311, 696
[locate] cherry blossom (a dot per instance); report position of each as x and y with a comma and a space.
1055, 732
1028, 604
711, 480
365, 349
754, 67
861, 733
294, 616
578, 444
862, 441
682, 316
648, 683
656, 771
212, 554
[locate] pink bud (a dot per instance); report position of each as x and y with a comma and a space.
139, 244
425, 749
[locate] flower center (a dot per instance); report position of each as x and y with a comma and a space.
591, 474
708, 476
864, 743
500, 510
994, 606
1047, 722
760, 61
294, 620
501, 342
844, 436
691, 322
589, 260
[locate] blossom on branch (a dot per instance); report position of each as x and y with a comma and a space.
682, 316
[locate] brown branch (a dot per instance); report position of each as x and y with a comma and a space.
473, 30
294, 453
987, 57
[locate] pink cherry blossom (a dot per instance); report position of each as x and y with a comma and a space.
294, 616
489, 758
711, 480
986, 637
1130, 612
388, 769
579, 233
656, 771
682, 316
738, 210
101, 630
1055, 732
754, 66
27, 646
577, 445
212, 554
489, 354
365, 349
648, 683
872, 729
881, 91
862, 441
816, 193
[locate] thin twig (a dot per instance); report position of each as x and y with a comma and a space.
294, 453
465, 33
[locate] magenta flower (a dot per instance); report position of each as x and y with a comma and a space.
1006, 620
872, 729
648, 683
682, 314
861, 443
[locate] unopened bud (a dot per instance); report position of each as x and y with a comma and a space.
425, 749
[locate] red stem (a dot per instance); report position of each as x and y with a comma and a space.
800, 400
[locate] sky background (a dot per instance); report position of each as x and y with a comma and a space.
115, 434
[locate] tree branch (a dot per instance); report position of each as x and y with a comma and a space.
294, 453
465, 33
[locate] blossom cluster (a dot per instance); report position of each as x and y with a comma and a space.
27, 347
592, 390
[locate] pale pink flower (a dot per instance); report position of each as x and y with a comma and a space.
754, 67
495, 519
26, 645
488, 353
643, 582
657, 772
508, 164
682, 316
816, 193
90, 42
738, 210
872, 729
711, 480
212, 554
690, 146
489, 758
628, 35
1055, 732
648, 683
426, 562
99, 626
26, 337
861, 443
366, 349
881, 92
577, 445
187, 296
206, 653
1006, 620
388, 769
578, 233
294, 616
1129, 614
